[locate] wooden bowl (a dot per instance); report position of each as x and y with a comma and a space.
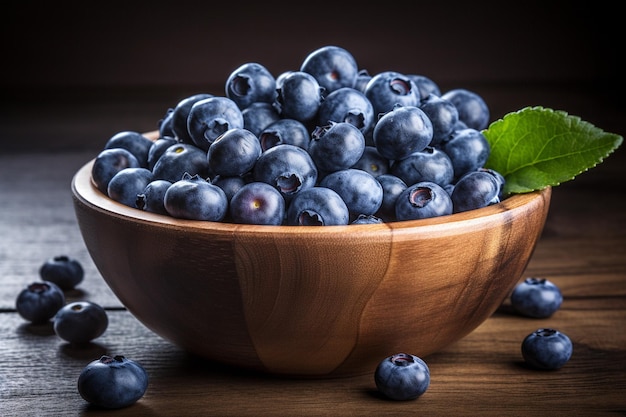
310, 301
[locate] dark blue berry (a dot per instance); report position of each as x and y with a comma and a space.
258, 116
134, 142
80, 322
350, 106
151, 199
158, 148
425, 85
536, 297
299, 97
429, 164
389, 89
63, 271
180, 115
195, 198
112, 382
317, 206
285, 131
108, 163
127, 184
547, 349
423, 200
250, 83
288, 168
472, 108
181, 159
468, 149
210, 118
39, 301
336, 146
333, 67
392, 188
475, 190
258, 203
234, 153
372, 162
361, 192
402, 131
402, 377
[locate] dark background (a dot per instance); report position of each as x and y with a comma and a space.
87, 70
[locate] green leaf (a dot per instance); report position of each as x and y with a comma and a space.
537, 147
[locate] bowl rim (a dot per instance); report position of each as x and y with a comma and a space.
84, 191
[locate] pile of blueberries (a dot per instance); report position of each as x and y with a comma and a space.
326, 144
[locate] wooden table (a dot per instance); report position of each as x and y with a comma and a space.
582, 250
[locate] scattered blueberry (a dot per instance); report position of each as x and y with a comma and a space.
63, 271
80, 322
547, 349
473, 111
317, 206
402, 377
211, 117
536, 297
112, 382
39, 301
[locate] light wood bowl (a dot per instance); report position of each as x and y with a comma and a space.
310, 301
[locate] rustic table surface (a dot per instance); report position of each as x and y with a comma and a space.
582, 250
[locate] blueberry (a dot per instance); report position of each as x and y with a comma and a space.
258, 116
127, 184
258, 203
475, 190
350, 106
210, 118
250, 83
468, 149
402, 131
425, 85
285, 131
234, 152
288, 168
195, 198
472, 108
392, 188
317, 206
63, 271
429, 164
372, 162
80, 322
165, 124
180, 159
547, 349
333, 67
402, 377
108, 163
362, 78
112, 382
180, 115
158, 148
423, 200
229, 184
361, 192
389, 89
152, 197
536, 297
443, 116
367, 219
39, 301
299, 97
336, 146
134, 142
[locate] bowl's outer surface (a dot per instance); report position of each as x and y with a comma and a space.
310, 301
